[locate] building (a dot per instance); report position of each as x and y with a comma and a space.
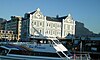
2, 21
35, 24
7, 35
14, 25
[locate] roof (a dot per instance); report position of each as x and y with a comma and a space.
52, 19
58, 19
62, 17
33, 12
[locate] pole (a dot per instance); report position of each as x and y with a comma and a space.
81, 50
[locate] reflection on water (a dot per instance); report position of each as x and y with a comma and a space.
10, 59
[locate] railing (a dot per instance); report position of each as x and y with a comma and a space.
81, 57
57, 46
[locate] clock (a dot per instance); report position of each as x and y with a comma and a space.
69, 20
38, 15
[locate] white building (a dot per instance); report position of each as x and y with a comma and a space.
35, 24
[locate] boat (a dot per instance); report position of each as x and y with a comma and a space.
44, 49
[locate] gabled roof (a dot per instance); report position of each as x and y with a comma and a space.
33, 12
56, 19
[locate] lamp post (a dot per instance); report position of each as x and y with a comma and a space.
80, 48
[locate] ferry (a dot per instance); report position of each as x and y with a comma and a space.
44, 49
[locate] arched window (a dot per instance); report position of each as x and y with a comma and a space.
40, 23
40, 31
35, 23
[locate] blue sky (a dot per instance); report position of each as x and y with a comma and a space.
85, 11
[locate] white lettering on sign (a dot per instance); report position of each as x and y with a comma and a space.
36, 47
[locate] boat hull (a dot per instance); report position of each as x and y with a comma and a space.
24, 57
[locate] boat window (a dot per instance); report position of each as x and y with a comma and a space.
3, 51
67, 53
56, 41
31, 53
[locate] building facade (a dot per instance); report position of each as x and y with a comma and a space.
14, 25
35, 24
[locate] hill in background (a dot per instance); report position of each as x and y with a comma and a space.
80, 30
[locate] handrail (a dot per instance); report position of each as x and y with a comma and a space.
82, 56
60, 49
59, 55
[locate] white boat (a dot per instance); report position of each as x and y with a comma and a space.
44, 49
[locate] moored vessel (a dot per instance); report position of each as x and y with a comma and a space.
44, 49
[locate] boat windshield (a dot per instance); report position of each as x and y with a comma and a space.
3, 51
68, 53
56, 41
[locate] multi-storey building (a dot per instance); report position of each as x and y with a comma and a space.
14, 25
35, 24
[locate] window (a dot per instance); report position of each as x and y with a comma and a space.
3, 31
53, 32
68, 27
40, 31
58, 25
47, 24
72, 27
40, 23
53, 25
64, 26
49, 31
34, 23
